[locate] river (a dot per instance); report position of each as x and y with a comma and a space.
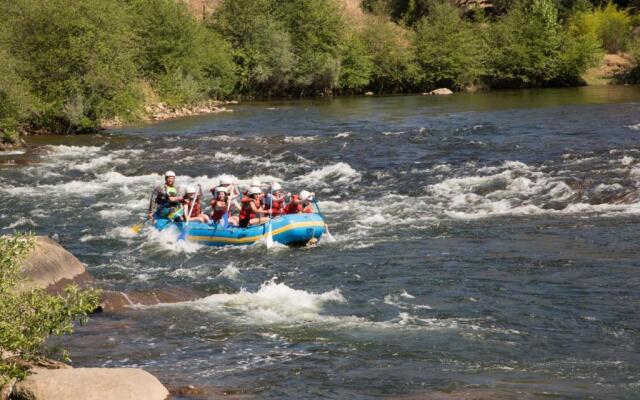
483, 241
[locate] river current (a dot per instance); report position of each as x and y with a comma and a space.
482, 242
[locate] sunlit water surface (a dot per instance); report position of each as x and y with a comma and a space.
482, 240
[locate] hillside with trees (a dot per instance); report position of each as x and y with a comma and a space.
69, 65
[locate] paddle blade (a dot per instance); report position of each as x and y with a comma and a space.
269, 237
225, 220
138, 227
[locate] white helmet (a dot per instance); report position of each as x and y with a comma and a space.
191, 189
276, 186
169, 173
226, 180
222, 189
254, 190
304, 195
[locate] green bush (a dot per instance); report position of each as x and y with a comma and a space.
16, 102
389, 47
262, 48
317, 31
77, 56
28, 318
181, 58
357, 67
610, 24
530, 48
448, 49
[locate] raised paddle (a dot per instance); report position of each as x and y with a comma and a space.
183, 234
269, 235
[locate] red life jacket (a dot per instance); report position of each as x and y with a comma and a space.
245, 208
295, 208
218, 208
197, 209
277, 206
292, 208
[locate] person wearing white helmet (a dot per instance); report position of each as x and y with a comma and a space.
226, 182
221, 205
165, 199
275, 199
301, 203
193, 207
251, 210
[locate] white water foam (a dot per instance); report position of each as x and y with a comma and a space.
230, 271
635, 127
273, 303
299, 139
334, 174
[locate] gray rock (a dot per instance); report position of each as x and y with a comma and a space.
90, 384
49, 265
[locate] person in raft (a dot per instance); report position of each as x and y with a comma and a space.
275, 200
165, 200
222, 204
251, 210
193, 207
301, 203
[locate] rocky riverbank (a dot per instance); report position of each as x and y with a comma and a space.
50, 267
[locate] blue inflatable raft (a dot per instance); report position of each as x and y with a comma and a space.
293, 229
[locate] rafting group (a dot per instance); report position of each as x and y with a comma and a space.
229, 207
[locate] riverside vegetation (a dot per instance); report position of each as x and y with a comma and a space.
28, 318
68, 65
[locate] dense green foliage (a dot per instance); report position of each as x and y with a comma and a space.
27, 318
609, 24
529, 47
449, 49
69, 65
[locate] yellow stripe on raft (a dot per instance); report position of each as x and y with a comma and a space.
249, 239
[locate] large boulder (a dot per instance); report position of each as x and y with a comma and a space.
49, 266
90, 384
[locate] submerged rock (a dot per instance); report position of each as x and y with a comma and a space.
114, 301
49, 266
439, 92
90, 384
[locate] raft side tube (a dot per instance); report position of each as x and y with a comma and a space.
292, 229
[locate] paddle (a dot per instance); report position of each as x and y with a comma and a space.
225, 217
138, 227
326, 226
269, 235
183, 233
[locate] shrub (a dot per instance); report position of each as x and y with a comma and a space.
262, 48
610, 24
184, 60
448, 49
28, 318
77, 56
317, 31
16, 102
529, 48
356, 67
389, 47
